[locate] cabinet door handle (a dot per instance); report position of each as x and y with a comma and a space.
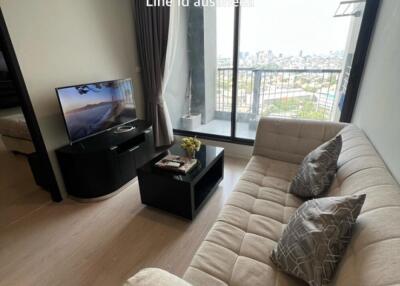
133, 149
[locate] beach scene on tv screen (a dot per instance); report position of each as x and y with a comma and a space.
92, 108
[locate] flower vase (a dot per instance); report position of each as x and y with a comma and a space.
191, 154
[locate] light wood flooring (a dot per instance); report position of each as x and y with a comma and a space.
99, 243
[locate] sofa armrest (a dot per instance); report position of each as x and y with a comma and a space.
290, 140
155, 277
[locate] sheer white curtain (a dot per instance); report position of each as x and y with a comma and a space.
174, 23
171, 73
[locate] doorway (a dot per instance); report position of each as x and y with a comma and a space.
21, 145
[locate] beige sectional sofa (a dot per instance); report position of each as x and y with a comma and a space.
237, 249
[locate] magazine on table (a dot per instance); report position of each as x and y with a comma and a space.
176, 163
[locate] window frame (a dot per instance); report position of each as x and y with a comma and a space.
356, 72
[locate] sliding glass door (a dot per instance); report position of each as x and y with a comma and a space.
294, 60
276, 58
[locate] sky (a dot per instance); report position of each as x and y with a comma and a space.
71, 99
284, 26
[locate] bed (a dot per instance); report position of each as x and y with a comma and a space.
14, 131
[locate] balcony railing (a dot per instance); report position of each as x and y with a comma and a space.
293, 93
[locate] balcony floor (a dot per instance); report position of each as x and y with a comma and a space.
223, 127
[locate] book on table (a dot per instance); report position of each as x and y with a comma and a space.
176, 163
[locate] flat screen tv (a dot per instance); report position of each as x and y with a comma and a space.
92, 108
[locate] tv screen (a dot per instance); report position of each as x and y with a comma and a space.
92, 108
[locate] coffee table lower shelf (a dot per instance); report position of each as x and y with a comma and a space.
182, 195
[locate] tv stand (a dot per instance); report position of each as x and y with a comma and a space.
98, 166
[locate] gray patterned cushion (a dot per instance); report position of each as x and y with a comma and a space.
316, 236
317, 170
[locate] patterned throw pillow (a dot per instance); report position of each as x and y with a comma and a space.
317, 170
315, 238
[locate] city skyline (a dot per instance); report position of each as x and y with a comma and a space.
269, 59
284, 26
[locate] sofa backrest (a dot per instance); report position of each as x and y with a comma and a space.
291, 140
373, 256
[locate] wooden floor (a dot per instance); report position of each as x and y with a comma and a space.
101, 243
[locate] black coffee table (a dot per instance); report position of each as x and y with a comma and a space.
183, 195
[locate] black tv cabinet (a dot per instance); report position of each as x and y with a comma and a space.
100, 165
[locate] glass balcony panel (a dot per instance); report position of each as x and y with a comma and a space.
294, 60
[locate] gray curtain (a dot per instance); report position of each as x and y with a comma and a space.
152, 25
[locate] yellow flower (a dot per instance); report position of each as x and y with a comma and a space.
191, 144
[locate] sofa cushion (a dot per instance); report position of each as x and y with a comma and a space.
290, 140
155, 277
317, 170
237, 249
315, 239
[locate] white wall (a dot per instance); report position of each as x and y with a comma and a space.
378, 106
66, 42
